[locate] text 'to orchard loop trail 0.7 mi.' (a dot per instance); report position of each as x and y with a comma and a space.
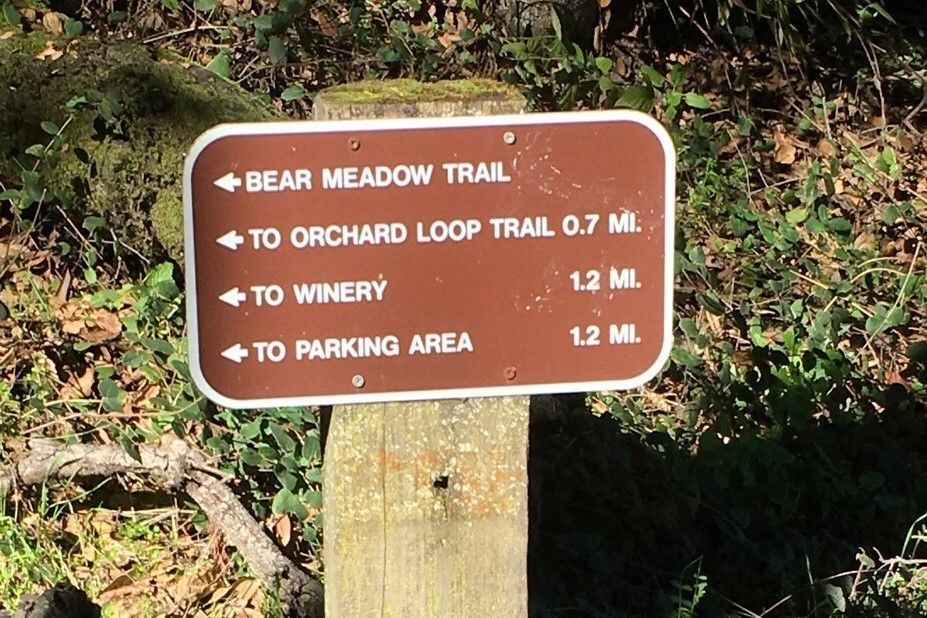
362, 261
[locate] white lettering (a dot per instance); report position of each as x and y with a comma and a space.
274, 351
339, 292
470, 173
528, 227
455, 231
619, 334
264, 237
625, 223
348, 235
278, 180
440, 343
376, 177
347, 347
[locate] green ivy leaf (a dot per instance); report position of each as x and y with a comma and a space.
283, 439
891, 214
884, 318
637, 97
129, 447
286, 502
276, 49
250, 431
312, 447
93, 222
555, 23
293, 92
50, 127
796, 215
251, 457
219, 65
11, 15
694, 99
314, 498
263, 23
157, 345
685, 358
652, 76
604, 64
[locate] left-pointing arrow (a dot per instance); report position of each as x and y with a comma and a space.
236, 353
231, 240
233, 297
229, 182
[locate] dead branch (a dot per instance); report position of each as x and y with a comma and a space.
174, 465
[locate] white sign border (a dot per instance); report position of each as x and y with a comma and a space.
304, 127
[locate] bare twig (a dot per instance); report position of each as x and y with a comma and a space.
909, 119
174, 465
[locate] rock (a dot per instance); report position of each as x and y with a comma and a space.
62, 601
578, 18
138, 111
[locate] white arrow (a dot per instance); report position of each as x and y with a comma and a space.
236, 353
233, 297
231, 240
229, 182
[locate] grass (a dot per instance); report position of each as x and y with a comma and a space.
134, 562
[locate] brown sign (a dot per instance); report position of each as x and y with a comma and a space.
338, 262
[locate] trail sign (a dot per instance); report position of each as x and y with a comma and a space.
362, 261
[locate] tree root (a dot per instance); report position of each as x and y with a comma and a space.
174, 465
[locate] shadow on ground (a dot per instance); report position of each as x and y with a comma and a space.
621, 524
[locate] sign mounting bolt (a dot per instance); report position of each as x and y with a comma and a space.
358, 381
354, 143
508, 137
510, 373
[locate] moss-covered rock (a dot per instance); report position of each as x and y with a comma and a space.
138, 110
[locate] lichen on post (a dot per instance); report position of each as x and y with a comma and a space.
426, 503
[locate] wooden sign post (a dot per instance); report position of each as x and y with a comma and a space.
426, 503
425, 257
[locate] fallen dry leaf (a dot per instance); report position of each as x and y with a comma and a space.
826, 148
328, 27
50, 52
233, 7
105, 325
61, 296
785, 152
116, 588
283, 528
447, 39
78, 387
246, 590
51, 21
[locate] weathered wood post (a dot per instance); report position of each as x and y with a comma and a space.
425, 503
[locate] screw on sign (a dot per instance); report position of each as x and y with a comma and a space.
362, 261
